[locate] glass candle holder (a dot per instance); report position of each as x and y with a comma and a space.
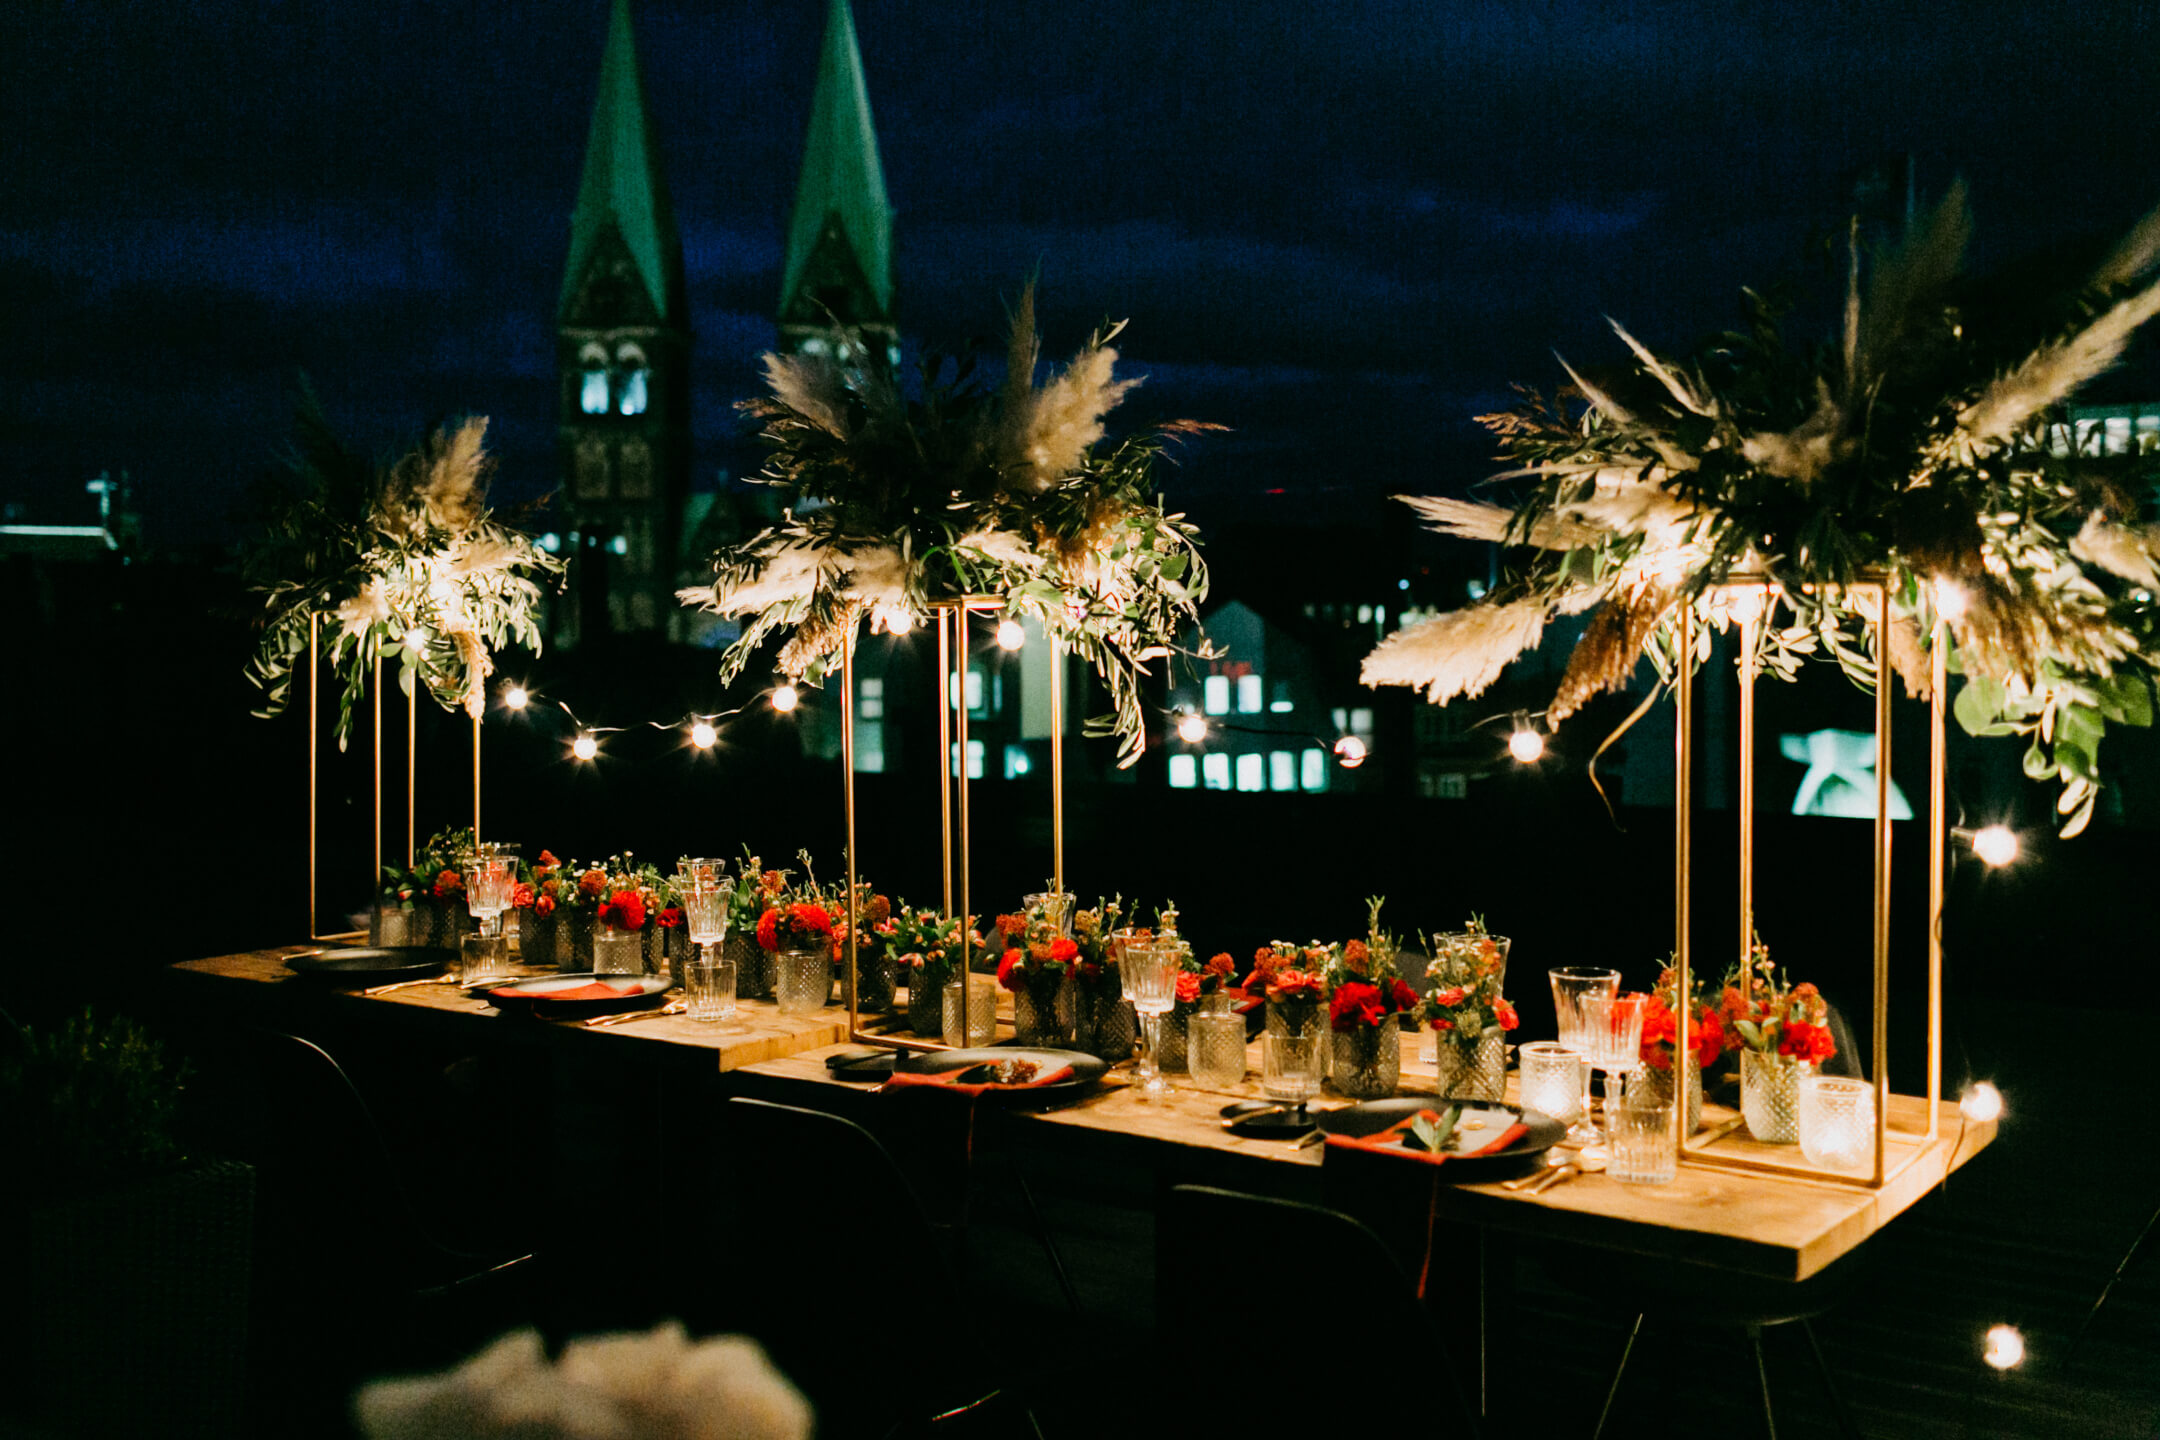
977, 996
483, 957
1837, 1121
1552, 1078
618, 952
1290, 1067
1644, 1149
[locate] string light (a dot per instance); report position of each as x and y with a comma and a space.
2005, 1347
786, 698
1981, 1103
586, 746
703, 735
1747, 603
1011, 635
1192, 727
515, 697
1351, 751
1996, 845
1950, 598
1525, 743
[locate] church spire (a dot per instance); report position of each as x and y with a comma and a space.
839, 242
622, 188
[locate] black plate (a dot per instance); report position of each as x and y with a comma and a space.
531, 997
1088, 1071
1376, 1115
372, 966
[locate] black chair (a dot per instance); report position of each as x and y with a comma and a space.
836, 1220
1308, 1274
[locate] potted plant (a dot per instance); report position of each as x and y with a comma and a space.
1293, 980
754, 892
1201, 986
538, 902
1783, 1033
796, 932
1468, 1015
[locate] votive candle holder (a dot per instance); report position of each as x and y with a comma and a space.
1551, 1078
1837, 1121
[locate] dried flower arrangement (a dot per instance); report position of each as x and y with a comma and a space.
1921, 444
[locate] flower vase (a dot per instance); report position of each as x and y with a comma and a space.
1478, 1072
1105, 1026
539, 937
875, 978
1043, 1011
618, 952
753, 971
396, 925
802, 976
449, 922
1176, 1038
675, 948
926, 1002
1770, 1096
1367, 1061
574, 940
1659, 1087
649, 953
1308, 1019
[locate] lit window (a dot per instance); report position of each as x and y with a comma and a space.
593, 390
1215, 771
551, 542
974, 691
1312, 770
633, 392
620, 545
1364, 614
870, 698
815, 345
1281, 704
975, 759
1017, 763
1282, 770
1252, 772
1379, 616
1342, 718
1215, 694
870, 749
1248, 694
1361, 721
1184, 771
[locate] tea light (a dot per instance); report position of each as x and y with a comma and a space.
1551, 1079
1837, 1121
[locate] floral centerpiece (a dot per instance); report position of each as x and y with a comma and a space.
800, 936
431, 894
406, 562
1469, 1016
1037, 967
1293, 980
894, 502
1707, 1038
1103, 1020
538, 903
1924, 443
928, 953
1783, 1032
755, 890
1366, 1000
877, 964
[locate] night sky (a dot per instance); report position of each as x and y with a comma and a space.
1342, 229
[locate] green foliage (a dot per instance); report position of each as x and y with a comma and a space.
87, 1103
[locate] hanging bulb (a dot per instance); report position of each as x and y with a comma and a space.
1526, 744
1996, 845
2005, 1347
785, 698
1981, 1103
703, 735
1351, 751
1950, 598
1192, 728
1011, 635
585, 746
516, 698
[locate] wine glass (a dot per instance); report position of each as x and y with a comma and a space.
1149, 971
491, 872
1612, 1035
705, 892
1571, 985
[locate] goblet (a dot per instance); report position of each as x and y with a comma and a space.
491, 873
1571, 985
706, 895
1612, 1035
1149, 972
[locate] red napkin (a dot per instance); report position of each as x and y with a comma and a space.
1387, 1142
906, 1079
598, 990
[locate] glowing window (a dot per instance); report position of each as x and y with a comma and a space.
870, 697
974, 759
632, 400
870, 749
1017, 762
1215, 694
1252, 772
1361, 721
1215, 771
1282, 770
551, 542
620, 545
1184, 772
1312, 770
1248, 694
593, 389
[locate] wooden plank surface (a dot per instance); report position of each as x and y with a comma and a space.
1776, 1226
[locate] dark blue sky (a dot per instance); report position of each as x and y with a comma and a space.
1342, 229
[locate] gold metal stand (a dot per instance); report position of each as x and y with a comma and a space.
1695, 1149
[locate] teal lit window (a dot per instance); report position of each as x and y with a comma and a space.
1184, 772
1252, 772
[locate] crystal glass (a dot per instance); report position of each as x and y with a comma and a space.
1770, 1096
978, 993
1552, 1078
394, 926
1612, 1035
1215, 1045
491, 873
1149, 971
1478, 1073
1458, 957
706, 897
802, 976
709, 988
1571, 985
1644, 1149
1837, 1121
617, 952
483, 957
1290, 1067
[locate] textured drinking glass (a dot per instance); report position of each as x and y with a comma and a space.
802, 978
1837, 1121
482, 957
617, 952
978, 1026
1149, 972
1552, 1078
1571, 985
1215, 1048
1290, 1067
709, 987
1644, 1149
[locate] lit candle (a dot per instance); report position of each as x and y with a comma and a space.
1837, 1121
1551, 1079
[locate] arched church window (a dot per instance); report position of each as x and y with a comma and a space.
632, 380
593, 381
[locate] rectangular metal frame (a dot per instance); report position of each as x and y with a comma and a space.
412, 726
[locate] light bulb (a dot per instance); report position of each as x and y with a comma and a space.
2005, 1347
785, 699
1526, 745
1981, 1103
1191, 728
1351, 751
1010, 634
702, 735
585, 746
515, 697
1995, 844
1747, 603
1950, 598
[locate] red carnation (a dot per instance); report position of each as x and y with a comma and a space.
1356, 955
1505, 1014
1223, 965
1355, 1003
1802, 1041
544, 905
1188, 988
547, 860
449, 883
768, 930
624, 912
1063, 950
671, 918
593, 882
1450, 997
522, 897
812, 918
1401, 996
1006, 970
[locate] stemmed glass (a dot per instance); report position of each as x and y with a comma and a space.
1571, 986
1149, 970
1612, 1035
705, 892
491, 873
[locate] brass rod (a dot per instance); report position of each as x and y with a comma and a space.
1882, 878
312, 665
960, 661
412, 742
476, 779
1745, 805
944, 747
1683, 846
375, 695
1057, 765
847, 791
1938, 858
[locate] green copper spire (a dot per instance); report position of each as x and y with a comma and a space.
622, 186
839, 244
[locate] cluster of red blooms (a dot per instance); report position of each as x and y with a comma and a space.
1453, 996
449, 883
1041, 957
1359, 1003
793, 923
541, 896
1661, 1028
1274, 976
1794, 1024
1216, 973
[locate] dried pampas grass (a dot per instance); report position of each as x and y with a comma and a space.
2119, 550
1474, 520
1459, 653
813, 387
454, 490
1611, 644
2050, 373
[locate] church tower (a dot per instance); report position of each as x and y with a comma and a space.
622, 355
838, 268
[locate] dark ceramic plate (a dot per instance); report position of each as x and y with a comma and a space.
537, 996
1087, 1072
1376, 1115
361, 967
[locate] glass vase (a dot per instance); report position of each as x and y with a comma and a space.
753, 972
574, 947
1215, 1044
925, 1002
1309, 1020
1043, 1011
1770, 1096
874, 978
1474, 1072
802, 976
675, 952
618, 952
1367, 1061
395, 925
1104, 1024
1176, 1037
1658, 1085
538, 937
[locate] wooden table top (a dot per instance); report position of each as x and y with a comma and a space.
1773, 1225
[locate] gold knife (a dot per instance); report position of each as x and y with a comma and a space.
627, 1016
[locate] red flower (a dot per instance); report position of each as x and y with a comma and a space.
1293, 985
547, 860
522, 897
593, 882
768, 930
1357, 956
1188, 988
543, 904
1802, 1041
1401, 996
551, 886
449, 883
1709, 1035
1223, 965
772, 882
623, 912
1450, 997
671, 918
812, 918
1505, 1014
1062, 950
1010, 925
1356, 1003
1733, 1003
879, 909
1007, 967
1442, 1023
